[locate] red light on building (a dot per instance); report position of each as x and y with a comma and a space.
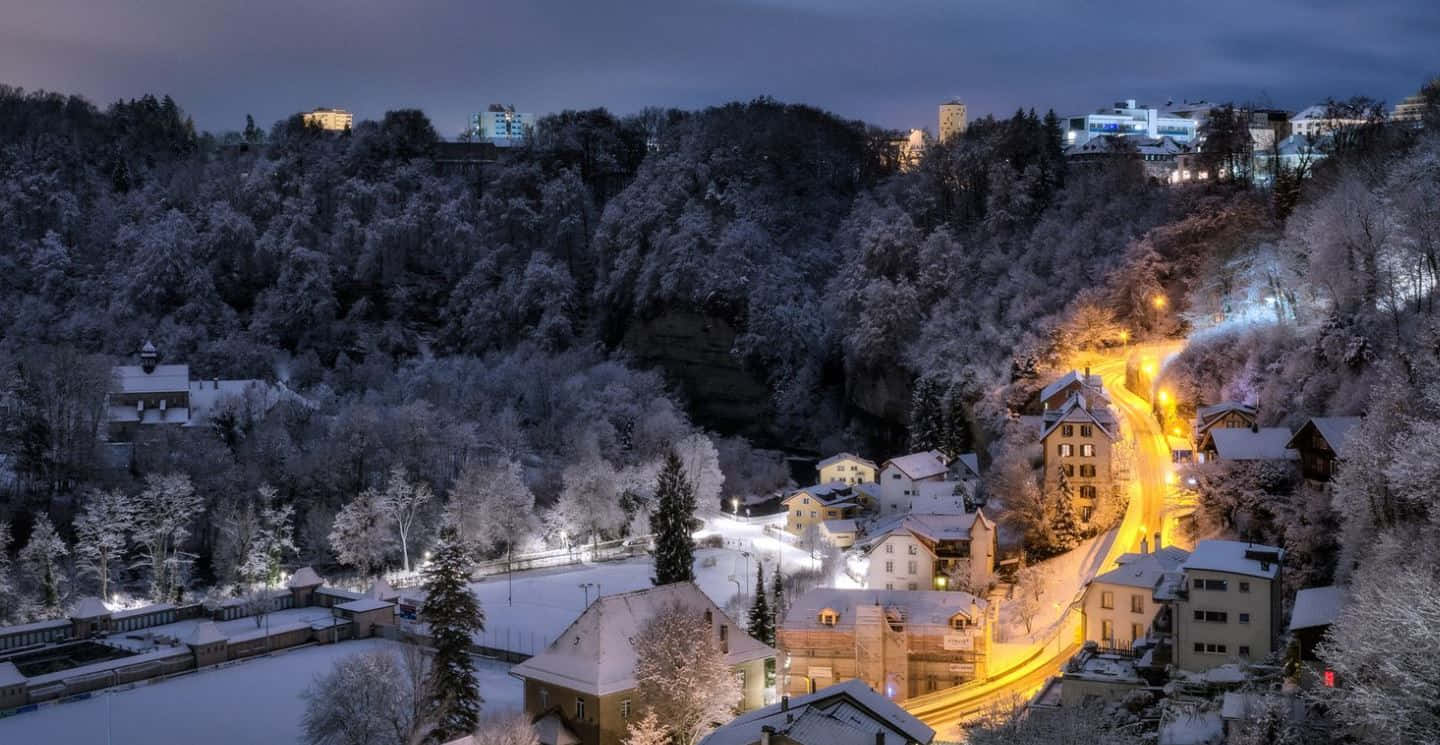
1329, 678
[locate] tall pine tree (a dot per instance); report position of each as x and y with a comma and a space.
454, 615
777, 602
1065, 530
670, 522
762, 622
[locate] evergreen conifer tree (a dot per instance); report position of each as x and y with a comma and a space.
762, 621
927, 415
1065, 530
777, 602
670, 522
453, 615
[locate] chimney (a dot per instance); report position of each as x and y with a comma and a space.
880, 737
1087, 375
765, 732
784, 703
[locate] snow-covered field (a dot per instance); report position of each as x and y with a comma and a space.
256, 701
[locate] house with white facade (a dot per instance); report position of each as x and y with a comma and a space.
900, 476
952, 551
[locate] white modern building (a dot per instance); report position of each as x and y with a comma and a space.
1130, 119
502, 125
899, 477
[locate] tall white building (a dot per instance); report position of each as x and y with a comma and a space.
1130, 119
502, 125
952, 119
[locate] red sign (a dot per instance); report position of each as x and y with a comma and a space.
1329, 678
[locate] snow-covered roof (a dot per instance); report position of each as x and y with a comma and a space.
1078, 410
141, 611
835, 527
1335, 429
304, 577
1311, 113
595, 654
551, 730
924, 607
382, 590
364, 605
830, 495
1093, 382
205, 632
1245, 443
1315, 607
1102, 666
847, 713
838, 457
9, 674
1236, 557
103, 666
971, 463
1206, 413
954, 527
1144, 570
1236, 705
89, 607
917, 466
164, 379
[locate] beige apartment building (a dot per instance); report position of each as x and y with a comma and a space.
1120, 605
1229, 606
900, 643
1077, 437
584, 682
815, 505
952, 119
847, 468
333, 120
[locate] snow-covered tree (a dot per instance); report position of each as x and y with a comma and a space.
702, 468
275, 541
508, 728
361, 535
40, 560
164, 510
9, 596
681, 674
777, 600
403, 501
102, 535
453, 616
1065, 529
670, 522
589, 505
1089, 724
360, 701
491, 506
647, 730
762, 621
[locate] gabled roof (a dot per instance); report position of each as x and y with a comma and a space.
206, 632
1236, 557
836, 458
1316, 607
1335, 429
1206, 415
89, 607
1246, 443
835, 527
917, 466
304, 577
923, 607
1144, 570
381, 590
1093, 382
827, 494
364, 605
1077, 410
595, 654
164, 379
969, 462
847, 713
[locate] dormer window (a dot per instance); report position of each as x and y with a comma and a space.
959, 622
829, 617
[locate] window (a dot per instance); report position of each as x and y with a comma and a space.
912, 586
1244, 650
1069, 469
1086, 430
1211, 585
1244, 618
580, 708
913, 549
709, 618
889, 585
1086, 513
805, 500
1066, 450
958, 622
1137, 603
910, 567
1107, 631
1201, 648
1107, 600
544, 699
1087, 451
1087, 492
1244, 587
625, 705
895, 476
889, 567
1067, 430
1087, 470
1137, 631
799, 513
724, 633
812, 513
1212, 616
740, 678
829, 617
889, 548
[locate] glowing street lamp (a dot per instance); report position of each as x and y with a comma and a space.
1158, 301
1164, 397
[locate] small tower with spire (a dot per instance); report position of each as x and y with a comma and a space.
149, 357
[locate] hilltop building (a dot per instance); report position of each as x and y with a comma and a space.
501, 125
330, 120
952, 119
1130, 119
847, 468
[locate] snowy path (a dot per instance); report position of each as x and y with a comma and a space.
257, 701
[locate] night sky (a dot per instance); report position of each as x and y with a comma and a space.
886, 61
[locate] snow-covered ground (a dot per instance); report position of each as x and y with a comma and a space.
254, 701
545, 601
1064, 577
140, 640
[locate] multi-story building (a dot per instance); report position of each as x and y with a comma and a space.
841, 714
899, 479
1228, 608
587, 675
954, 551
1077, 439
952, 119
1319, 120
1130, 119
1120, 605
1224, 415
332, 120
1410, 109
1059, 392
847, 468
821, 503
1321, 443
500, 124
900, 643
